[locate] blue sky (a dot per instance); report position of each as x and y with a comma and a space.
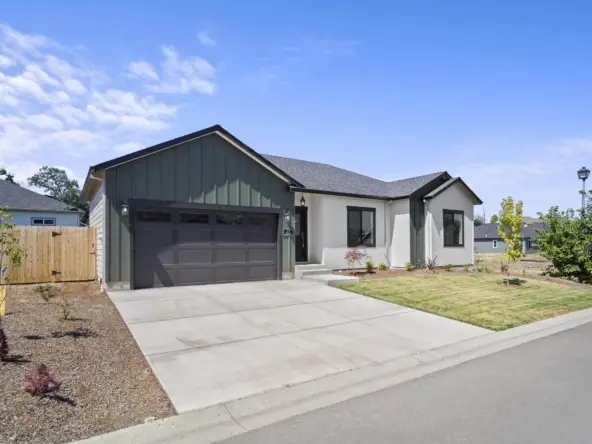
499, 93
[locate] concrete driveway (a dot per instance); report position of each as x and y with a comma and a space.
215, 343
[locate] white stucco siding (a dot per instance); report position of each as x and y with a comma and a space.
400, 236
454, 198
97, 221
328, 229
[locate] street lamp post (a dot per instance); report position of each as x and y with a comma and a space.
583, 174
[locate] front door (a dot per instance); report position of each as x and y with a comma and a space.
301, 234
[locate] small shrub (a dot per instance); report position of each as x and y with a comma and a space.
431, 264
447, 267
524, 272
369, 266
46, 291
382, 267
409, 266
486, 269
3, 345
466, 267
355, 256
65, 306
504, 268
40, 381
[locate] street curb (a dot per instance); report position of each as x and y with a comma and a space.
233, 418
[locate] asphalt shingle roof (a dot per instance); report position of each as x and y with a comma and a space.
18, 198
489, 231
323, 177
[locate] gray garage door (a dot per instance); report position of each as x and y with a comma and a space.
182, 247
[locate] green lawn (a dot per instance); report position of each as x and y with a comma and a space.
479, 299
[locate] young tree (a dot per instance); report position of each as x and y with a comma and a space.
494, 219
510, 230
56, 183
479, 220
10, 256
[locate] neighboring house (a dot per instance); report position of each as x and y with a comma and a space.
30, 208
205, 208
487, 239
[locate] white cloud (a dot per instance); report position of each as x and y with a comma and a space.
70, 114
43, 121
185, 75
74, 86
128, 147
205, 39
5, 62
55, 106
142, 69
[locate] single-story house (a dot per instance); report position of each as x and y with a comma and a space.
487, 239
206, 208
30, 208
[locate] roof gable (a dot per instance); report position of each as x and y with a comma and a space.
15, 197
299, 174
448, 184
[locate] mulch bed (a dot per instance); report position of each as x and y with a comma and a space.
364, 274
106, 382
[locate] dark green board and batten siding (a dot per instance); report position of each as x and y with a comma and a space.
208, 170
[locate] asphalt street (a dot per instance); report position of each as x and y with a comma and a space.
540, 392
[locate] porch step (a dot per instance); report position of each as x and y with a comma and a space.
330, 279
310, 269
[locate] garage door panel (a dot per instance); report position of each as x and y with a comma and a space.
261, 236
262, 254
230, 255
261, 272
190, 235
194, 256
195, 275
186, 248
229, 236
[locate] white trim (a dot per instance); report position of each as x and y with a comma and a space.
284, 178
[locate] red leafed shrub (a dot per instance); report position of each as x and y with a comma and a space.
40, 382
354, 256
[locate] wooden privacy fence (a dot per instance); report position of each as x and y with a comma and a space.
55, 254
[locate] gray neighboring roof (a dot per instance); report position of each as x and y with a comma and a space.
18, 198
489, 231
323, 177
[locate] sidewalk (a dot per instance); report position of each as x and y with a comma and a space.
230, 419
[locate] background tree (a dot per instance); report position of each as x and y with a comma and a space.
494, 219
566, 241
509, 230
56, 184
479, 220
8, 177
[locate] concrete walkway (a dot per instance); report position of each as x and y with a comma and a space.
217, 343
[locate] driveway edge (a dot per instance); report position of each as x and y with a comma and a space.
224, 421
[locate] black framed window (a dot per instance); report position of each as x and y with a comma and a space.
194, 218
454, 225
361, 227
43, 221
154, 216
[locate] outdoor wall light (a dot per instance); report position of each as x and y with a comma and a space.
287, 216
302, 202
125, 209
